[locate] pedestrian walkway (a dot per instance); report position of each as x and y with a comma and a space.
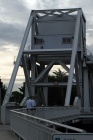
6, 133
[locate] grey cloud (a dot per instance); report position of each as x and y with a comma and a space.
10, 33
16, 13
16, 86
90, 48
13, 19
50, 4
90, 33
13, 10
20, 80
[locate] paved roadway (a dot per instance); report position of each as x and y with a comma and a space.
6, 133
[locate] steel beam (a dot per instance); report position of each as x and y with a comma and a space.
49, 51
86, 90
33, 72
40, 76
80, 80
45, 92
49, 84
27, 76
74, 51
66, 68
77, 78
17, 64
59, 10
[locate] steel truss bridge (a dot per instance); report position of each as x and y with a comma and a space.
56, 37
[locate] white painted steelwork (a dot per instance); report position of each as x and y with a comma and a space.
57, 38
35, 128
54, 113
17, 63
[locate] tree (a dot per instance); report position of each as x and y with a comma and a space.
22, 88
2, 91
56, 94
60, 76
16, 96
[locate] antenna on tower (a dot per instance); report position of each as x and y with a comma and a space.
14, 60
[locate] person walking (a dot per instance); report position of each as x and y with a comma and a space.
33, 101
30, 103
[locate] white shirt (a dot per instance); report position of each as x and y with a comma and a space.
33, 103
30, 103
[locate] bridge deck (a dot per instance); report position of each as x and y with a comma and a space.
41, 123
6, 133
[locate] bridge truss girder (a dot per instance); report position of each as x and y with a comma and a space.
75, 56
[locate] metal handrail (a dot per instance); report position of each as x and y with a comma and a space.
89, 54
43, 121
51, 107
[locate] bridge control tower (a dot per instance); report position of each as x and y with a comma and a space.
57, 37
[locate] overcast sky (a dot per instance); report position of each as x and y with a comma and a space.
14, 15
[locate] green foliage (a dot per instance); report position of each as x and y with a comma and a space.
59, 75
56, 94
3, 91
16, 97
22, 88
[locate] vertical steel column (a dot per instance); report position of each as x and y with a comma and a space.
90, 88
45, 92
80, 81
26, 73
77, 81
17, 64
92, 91
77, 77
33, 72
74, 51
86, 90
26, 90
66, 68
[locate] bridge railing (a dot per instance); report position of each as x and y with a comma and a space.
29, 127
89, 54
35, 128
52, 112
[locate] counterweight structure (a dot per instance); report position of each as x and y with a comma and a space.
58, 37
